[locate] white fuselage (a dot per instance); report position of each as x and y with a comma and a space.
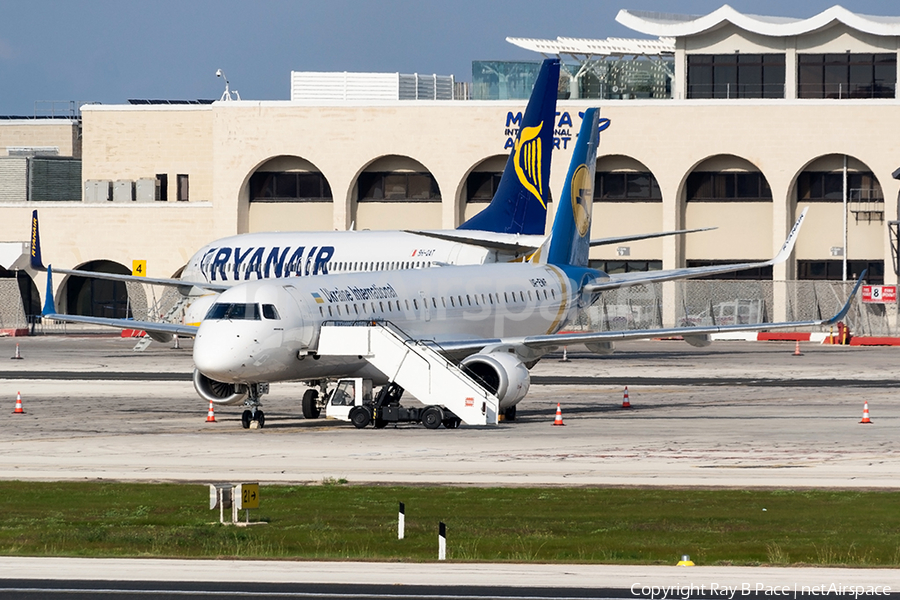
278, 255
282, 255
441, 304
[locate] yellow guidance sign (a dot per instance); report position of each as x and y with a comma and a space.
246, 495
139, 268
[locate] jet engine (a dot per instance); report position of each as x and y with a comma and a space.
602, 348
218, 392
698, 341
500, 373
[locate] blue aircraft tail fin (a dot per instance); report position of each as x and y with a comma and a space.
36, 263
520, 203
571, 235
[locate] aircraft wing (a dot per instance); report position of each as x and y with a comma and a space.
148, 326
505, 242
184, 286
524, 244
38, 265
545, 342
158, 331
644, 236
626, 279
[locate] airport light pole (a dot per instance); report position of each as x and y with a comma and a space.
845, 218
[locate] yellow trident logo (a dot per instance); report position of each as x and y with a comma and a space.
528, 160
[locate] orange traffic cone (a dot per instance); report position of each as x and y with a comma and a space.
211, 415
797, 349
866, 418
558, 421
625, 402
17, 356
19, 410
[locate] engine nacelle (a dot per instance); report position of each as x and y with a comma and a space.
698, 341
218, 392
601, 347
500, 373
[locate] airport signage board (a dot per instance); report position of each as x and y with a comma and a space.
246, 495
879, 294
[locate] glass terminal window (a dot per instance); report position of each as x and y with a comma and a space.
481, 186
289, 187
398, 187
735, 75
833, 270
828, 186
704, 186
626, 187
846, 75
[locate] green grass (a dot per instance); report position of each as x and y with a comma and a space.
337, 521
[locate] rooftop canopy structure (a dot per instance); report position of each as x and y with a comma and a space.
672, 25
610, 68
836, 54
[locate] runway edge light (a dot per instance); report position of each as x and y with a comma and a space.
685, 561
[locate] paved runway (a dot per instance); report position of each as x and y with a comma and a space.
780, 420
736, 414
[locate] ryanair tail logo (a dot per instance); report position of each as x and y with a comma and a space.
528, 157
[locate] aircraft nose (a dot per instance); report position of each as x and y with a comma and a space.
221, 353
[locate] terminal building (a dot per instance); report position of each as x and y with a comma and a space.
724, 120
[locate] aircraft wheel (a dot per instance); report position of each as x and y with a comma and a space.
509, 414
310, 407
261, 418
432, 417
246, 417
360, 417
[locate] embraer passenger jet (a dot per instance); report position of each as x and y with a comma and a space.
497, 318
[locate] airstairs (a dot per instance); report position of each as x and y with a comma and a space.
416, 367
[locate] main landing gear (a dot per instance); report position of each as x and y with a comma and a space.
254, 414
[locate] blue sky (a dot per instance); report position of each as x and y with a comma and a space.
108, 51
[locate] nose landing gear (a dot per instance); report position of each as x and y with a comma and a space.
253, 417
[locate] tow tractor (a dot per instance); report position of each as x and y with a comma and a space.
353, 400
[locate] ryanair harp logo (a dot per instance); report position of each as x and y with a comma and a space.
528, 157
582, 198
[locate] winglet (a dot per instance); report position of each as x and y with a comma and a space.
49, 303
846, 308
788, 246
36, 263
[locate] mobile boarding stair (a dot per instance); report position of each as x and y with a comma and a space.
416, 367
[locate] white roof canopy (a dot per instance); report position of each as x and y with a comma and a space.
670, 25
607, 47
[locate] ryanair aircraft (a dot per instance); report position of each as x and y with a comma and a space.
495, 319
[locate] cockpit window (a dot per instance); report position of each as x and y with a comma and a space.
270, 312
235, 312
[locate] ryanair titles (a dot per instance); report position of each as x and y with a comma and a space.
352, 293
239, 264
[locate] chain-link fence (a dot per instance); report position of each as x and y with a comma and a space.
647, 306
719, 302
12, 312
